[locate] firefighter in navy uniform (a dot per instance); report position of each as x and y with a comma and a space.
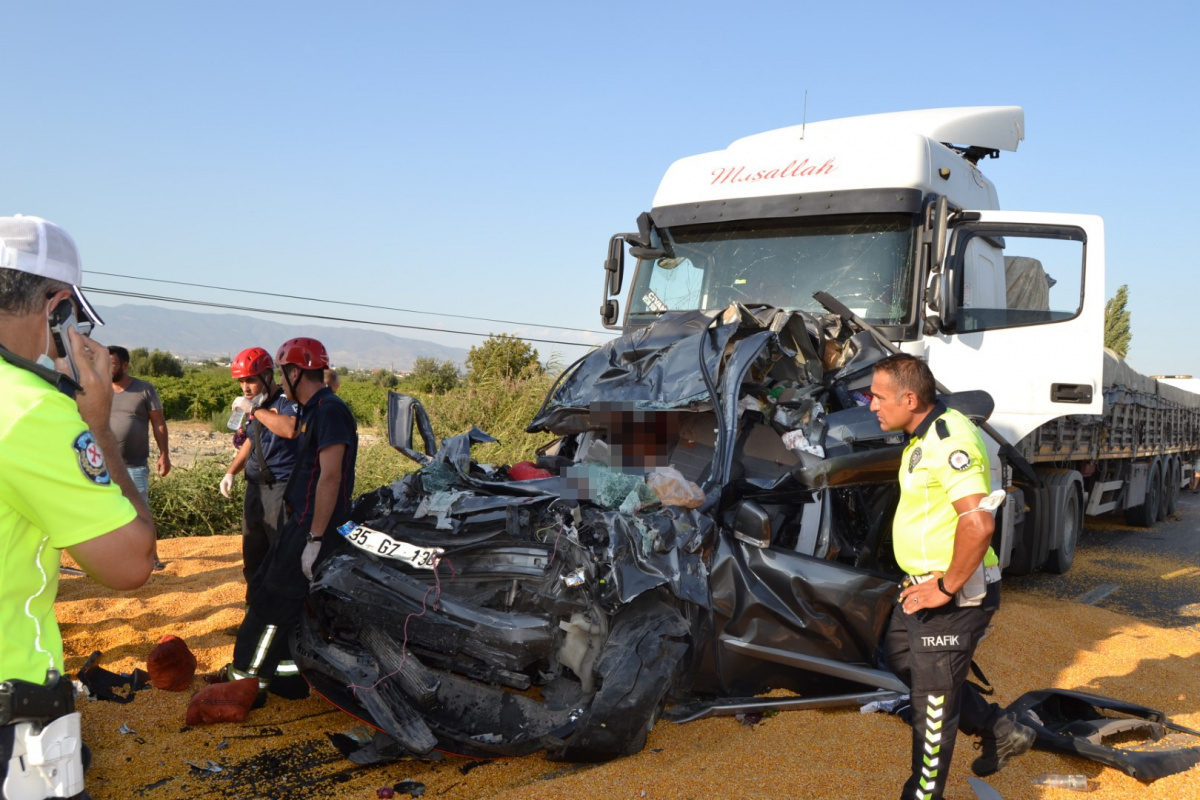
942, 541
318, 497
268, 456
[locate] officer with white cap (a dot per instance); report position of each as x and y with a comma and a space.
60, 489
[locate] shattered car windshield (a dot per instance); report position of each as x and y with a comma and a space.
863, 260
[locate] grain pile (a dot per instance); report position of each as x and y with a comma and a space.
283, 750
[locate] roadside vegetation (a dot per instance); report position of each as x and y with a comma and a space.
501, 391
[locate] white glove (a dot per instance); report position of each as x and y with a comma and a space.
226, 484
243, 404
309, 557
259, 399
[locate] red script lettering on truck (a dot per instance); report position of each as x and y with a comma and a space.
794, 169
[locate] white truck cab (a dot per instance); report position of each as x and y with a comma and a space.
891, 215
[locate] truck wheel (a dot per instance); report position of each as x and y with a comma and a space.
1175, 477
1070, 516
1145, 515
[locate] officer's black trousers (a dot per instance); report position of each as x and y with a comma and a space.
931, 651
263, 516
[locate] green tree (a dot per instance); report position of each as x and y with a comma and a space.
156, 364
433, 376
139, 361
502, 356
385, 378
1117, 331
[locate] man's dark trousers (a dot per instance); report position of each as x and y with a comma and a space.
931, 651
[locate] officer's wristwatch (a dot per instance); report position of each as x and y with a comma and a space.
940, 585
310, 538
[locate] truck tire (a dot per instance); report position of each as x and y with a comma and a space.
1068, 516
1174, 479
1145, 515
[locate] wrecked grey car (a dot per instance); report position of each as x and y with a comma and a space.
713, 522
488, 616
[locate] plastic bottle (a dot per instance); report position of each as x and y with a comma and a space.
236, 419
1078, 783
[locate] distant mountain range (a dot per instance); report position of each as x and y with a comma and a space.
190, 335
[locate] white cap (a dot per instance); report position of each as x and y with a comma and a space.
39, 247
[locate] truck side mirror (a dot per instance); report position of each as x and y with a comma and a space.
614, 265
614, 275
949, 290
610, 313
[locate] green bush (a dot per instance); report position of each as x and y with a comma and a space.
501, 356
386, 379
366, 399
143, 363
219, 421
379, 464
186, 502
501, 407
432, 376
197, 395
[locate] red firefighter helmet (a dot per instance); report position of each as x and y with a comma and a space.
303, 352
251, 362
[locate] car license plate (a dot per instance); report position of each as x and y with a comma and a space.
380, 544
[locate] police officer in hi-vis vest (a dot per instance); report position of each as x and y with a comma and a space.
942, 539
63, 486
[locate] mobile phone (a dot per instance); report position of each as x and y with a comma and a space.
61, 318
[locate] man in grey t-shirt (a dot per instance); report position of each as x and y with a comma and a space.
135, 410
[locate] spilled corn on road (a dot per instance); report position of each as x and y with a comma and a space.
1123, 623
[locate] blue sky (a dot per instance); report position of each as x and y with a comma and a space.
474, 158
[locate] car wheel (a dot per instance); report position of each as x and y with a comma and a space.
636, 671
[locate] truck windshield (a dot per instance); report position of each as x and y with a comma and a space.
863, 260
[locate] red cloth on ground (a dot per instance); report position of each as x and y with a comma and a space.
171, 664
222, 702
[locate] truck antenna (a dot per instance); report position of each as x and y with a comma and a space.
804, 116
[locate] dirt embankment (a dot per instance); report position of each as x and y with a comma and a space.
194, 441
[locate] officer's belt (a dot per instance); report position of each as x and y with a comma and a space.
22, 701
990, 575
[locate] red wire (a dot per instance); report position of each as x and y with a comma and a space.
437, 586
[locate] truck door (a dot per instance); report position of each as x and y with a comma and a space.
1019, 300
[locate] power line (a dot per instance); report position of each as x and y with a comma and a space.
231, 307
339, 302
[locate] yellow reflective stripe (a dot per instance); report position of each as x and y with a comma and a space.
260, 651
236, 674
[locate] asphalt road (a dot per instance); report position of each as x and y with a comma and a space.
1152, 574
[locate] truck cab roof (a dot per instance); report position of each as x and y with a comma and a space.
931, 151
